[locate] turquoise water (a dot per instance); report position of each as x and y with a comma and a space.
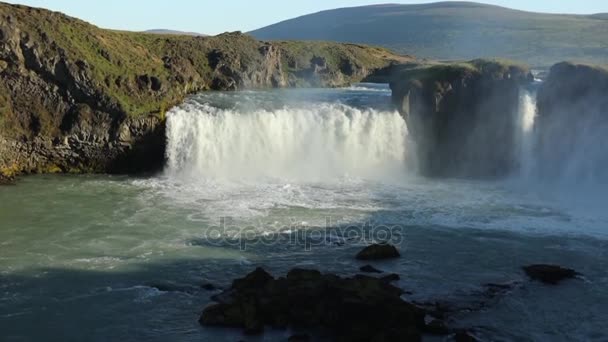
101, 258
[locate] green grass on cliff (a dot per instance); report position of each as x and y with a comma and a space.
455, 70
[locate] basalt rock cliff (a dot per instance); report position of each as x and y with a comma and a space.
77, 98
462, 116
572, 121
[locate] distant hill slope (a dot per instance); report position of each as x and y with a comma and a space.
174, 32
456, 30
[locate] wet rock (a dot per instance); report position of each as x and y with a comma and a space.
169, 286
390, 278
359, 308
254, 280
6, 179
549, 274
378, 252
464, 336
369, 269
493, 290
299, 338
572, 109
462, 115
437, 327
209, 287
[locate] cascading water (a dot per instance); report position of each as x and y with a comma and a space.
525, 135
317, 142
566, 149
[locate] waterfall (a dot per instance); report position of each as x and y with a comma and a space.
525, 135
316, 142
563, 154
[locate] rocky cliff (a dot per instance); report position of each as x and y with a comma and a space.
462, 115
77, 98
572, 120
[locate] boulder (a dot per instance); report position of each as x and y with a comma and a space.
209, 287
378, 252
390, 278
360, 308
437, 327
549, 274
369, 269
299, 338
6, 179
464, 336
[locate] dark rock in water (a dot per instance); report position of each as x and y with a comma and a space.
369, 269
463, 116
169, 286
391, 278
6, 179
360, 308
464, 336
254, 280
492, 290
378, 252
437, 327
299, 338
549, 274
209, 287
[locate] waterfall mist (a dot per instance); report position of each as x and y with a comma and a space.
564, 152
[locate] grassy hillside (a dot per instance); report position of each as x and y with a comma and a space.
174, 32
456, 30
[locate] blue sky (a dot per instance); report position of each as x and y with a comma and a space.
216, 16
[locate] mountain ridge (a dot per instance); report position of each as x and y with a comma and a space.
456, 31
175, 32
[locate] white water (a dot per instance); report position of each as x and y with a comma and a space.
525, 136
321, 142
566, 160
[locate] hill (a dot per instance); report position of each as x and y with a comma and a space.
174, 32
456, 30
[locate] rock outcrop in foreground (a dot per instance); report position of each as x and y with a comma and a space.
549, 274
361, 308
463, 116
77, 98
378, 252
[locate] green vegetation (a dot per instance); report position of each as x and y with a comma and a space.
456, 31
494, 68
299, 54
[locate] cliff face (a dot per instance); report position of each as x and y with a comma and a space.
462, 116
76, 98
572, 119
